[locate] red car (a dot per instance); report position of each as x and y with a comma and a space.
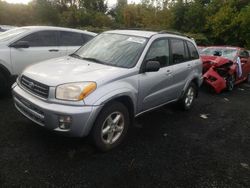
200, 48
222, 69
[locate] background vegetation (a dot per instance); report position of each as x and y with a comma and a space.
208, 21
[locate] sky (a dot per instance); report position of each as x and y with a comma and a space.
110, 2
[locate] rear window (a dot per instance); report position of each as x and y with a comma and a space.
179, 53
73, 38
192, 51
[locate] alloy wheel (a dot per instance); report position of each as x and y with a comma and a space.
112, 128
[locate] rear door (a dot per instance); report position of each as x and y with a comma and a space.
180, 63
43, 45
72, 41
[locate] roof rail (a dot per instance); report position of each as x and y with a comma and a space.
174, 33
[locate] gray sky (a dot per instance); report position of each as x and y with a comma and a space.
110, 2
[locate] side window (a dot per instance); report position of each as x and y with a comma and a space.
71, 39
244, 53
86, 38
192, 51
179, 53
41, 38
159, 51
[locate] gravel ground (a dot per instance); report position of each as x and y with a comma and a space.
167, 148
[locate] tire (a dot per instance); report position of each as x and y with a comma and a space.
230, 82
3, 84
110, 127
187, 101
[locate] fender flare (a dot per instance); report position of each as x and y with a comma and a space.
112, 96
190, 79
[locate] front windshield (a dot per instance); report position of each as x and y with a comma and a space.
229, 53
113, 49
11, 33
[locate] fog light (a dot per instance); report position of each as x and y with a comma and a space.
65, 122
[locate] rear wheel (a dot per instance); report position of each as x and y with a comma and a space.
186, 102
111, 126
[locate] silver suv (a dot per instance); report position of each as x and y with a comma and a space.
99, 89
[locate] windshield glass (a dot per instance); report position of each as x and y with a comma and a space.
11, 33
229, 53
113, 49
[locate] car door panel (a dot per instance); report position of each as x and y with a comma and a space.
23, 57
155, 88
42, 46
180, 75
183, 61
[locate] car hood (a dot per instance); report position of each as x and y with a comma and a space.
67, 69
216, 60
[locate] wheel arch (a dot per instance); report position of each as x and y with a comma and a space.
194, 80
126, 101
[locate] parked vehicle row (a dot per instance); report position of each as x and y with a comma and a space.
99, 89
24, 46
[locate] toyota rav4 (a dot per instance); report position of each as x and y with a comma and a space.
99, 89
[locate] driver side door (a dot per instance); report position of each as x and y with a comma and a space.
43, 45
155, 88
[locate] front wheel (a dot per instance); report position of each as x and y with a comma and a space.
186, 102
111, 126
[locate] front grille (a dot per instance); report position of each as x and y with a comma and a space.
35, 87
29, 110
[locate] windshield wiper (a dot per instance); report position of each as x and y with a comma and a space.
76, 56
94, 60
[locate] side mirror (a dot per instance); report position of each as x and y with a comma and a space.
152, 66
20, 44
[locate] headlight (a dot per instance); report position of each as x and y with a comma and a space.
75, 91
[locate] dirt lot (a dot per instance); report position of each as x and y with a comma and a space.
168, 148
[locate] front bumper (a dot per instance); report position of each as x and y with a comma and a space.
214, 80
47, 114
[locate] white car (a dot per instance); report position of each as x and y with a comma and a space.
4, 28
24, 46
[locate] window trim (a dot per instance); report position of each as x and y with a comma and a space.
185, 50
190, 58
57, 39
143, 65
81, 36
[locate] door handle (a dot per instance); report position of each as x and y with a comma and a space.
53, 50
189, 66
168, 72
